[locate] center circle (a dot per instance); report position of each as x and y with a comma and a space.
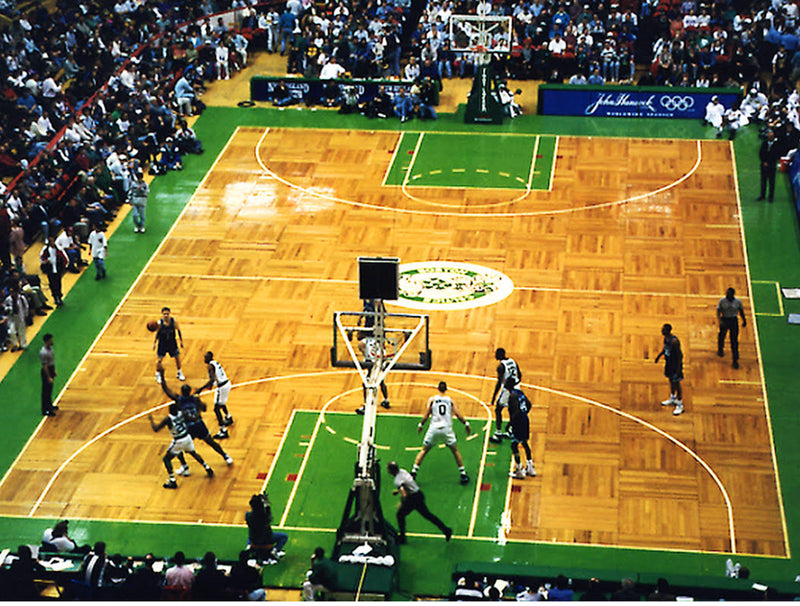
441, 285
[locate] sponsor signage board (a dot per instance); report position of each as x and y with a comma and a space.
630, 101
302, 89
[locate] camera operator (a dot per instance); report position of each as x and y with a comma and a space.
349, 99
424, 93
263, 542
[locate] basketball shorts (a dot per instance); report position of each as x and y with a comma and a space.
520, 430
184, 444
169, 348
221, 395
502, 397
674, 375
199, 430
437, 435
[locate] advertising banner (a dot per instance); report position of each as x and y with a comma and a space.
262, 87
630, 101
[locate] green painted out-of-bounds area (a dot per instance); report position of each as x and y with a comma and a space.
316, 466
501, 161
767, 298
773, 252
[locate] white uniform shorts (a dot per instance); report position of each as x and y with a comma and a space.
435, 435
221, 395
184, 444
502, 397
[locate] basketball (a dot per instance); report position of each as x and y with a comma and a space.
152, 325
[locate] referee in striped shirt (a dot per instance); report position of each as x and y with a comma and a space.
728, 310
411, 498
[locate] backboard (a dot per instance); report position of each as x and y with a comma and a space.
354, 337
480, 34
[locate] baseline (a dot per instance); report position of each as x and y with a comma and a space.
702, 463
537, 213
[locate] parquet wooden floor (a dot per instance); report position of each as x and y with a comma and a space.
634, 233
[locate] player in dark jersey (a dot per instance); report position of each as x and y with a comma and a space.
166, 342
673, 368
507, 369
192, 408
181, 442
518, 409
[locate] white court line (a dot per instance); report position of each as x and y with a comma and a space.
529, 184
583, 291
119, 306
759, 355
407, 174
320, 421
553, 165
398, 144
280, 447
522, 196
581, 399
331, 198
505, 517
317, 529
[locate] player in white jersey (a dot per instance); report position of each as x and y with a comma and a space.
441, 410
181, 442
217, 376
507, 369
370, 351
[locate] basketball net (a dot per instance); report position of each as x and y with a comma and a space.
481, 32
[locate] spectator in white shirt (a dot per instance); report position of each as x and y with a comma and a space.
578, 78
331, 70
714, 114
557, 46
411, 71
99, 244
49, 88
223, 56
57, 537
67, 243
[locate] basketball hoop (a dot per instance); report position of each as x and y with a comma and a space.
481, 34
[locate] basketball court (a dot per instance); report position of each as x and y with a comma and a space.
265, 252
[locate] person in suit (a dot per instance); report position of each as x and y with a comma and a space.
768, 155
54, 264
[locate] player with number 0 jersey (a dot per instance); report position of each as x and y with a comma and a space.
441, 409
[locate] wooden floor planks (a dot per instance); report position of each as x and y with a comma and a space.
255, 268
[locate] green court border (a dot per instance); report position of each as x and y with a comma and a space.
773, 254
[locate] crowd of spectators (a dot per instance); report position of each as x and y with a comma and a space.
91, 96
732, 43
94, 94
471, 587
113, 577
116, 578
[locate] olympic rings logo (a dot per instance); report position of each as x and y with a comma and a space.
676, 103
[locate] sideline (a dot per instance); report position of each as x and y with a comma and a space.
30, 261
